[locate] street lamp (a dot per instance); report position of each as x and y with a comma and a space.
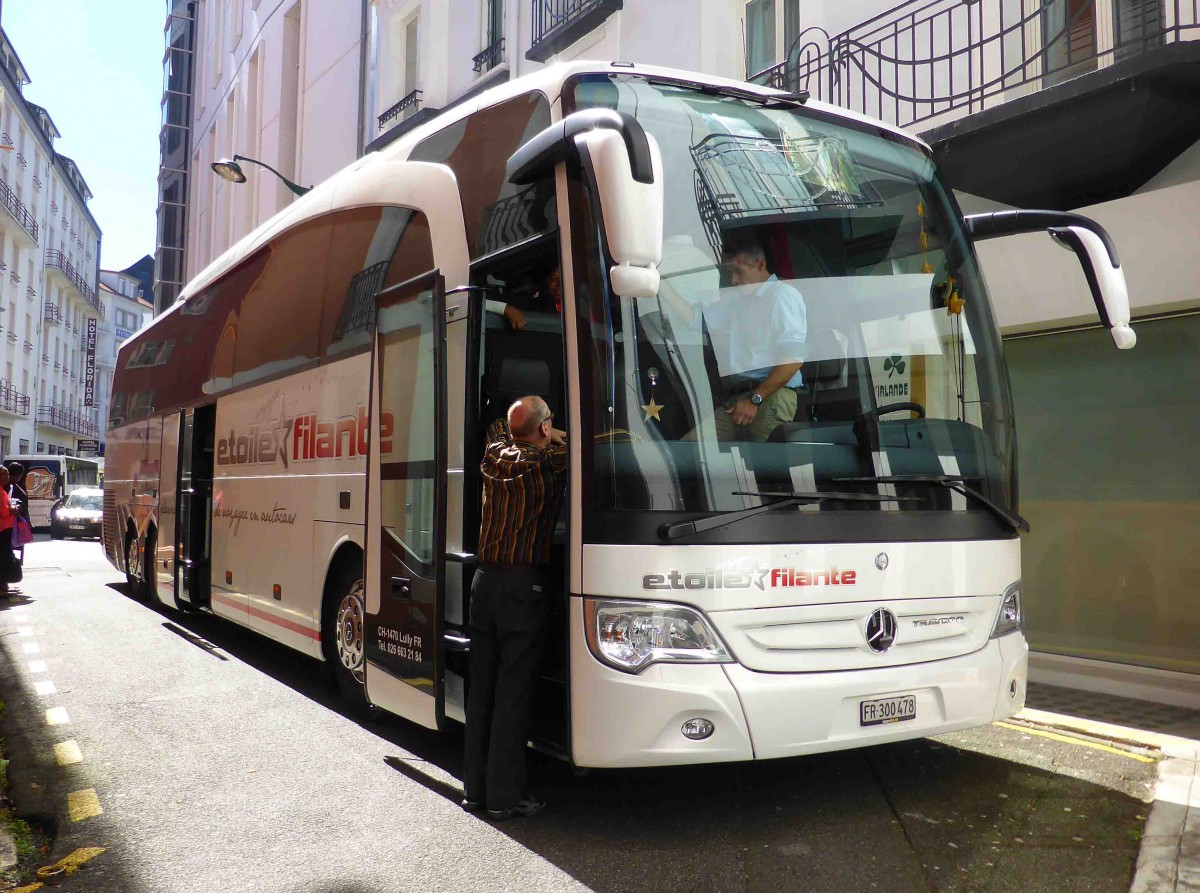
229, 169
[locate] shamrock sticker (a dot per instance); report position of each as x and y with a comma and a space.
893, 366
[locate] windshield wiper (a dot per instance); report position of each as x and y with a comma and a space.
950, 482
712, 522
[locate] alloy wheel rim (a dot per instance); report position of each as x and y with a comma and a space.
349, 624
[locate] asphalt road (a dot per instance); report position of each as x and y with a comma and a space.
221, 762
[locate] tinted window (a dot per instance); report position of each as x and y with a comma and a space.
476, 149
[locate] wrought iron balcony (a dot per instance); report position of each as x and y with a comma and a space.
53, 207
45, 359
12, 400
57, 260
14, 277
12, 338
17, 209
492, 56
52, 315
67, 419
22, 160
37, 182
30, 292
559, 23
936, 60
411, 101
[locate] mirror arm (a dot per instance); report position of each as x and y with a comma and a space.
1009, 223
556, 143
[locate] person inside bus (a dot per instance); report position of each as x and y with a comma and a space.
524, 473
534, 298
764, 320
8, 516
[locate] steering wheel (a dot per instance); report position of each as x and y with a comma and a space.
892, 407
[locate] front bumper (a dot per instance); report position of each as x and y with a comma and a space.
623, 720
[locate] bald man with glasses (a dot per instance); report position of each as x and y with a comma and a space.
524, 472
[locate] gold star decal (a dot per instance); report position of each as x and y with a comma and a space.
652, 409
954, 304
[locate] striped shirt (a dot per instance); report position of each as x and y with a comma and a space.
522, 490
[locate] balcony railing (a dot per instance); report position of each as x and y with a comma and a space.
28, 346
14, 277
52, 315
559, 23
67, 419
17, 209
929, 61
490, 57
22, 160
12, 338
411, 101
12, 400
55, 258
30, 292
37, 182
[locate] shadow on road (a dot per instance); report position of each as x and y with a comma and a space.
926, 815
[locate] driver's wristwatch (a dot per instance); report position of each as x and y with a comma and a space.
756, 399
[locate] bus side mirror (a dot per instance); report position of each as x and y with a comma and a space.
625, 166
1093, 247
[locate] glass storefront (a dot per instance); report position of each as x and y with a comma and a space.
1106, 445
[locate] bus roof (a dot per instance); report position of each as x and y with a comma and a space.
549, 81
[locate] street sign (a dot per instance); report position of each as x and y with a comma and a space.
89, 446
89, 366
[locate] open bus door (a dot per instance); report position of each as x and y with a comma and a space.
414, 473
406, 502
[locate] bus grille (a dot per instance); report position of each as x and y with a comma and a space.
110, 518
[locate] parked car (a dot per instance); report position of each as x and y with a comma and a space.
80, 515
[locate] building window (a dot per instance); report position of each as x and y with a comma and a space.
492, 37
772, 26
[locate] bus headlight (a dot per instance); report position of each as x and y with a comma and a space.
1008, 620
632, 635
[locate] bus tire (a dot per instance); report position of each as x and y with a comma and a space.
343, 633
131, 558
148, 584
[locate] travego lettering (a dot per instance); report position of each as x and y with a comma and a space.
310, 438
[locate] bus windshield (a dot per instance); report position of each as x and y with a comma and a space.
821, 322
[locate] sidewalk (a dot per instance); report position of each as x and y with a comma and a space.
1169, 860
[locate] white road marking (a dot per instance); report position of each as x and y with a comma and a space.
67, 752
24, 630
31, 648
57, 716
37, 666
44, 687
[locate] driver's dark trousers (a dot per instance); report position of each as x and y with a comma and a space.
510, 608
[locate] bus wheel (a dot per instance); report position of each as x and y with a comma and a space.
148, 584
132, 564
343, 633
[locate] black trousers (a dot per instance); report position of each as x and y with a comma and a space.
509, 613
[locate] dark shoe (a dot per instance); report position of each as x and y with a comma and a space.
526, 806
470, 805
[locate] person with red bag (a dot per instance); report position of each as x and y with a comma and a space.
9, 569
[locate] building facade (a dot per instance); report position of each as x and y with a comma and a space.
308, 86
49, 263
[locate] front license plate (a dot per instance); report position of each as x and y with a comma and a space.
77, 527
887, 710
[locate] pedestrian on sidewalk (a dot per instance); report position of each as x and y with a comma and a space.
8, 565
524, 473
19, 499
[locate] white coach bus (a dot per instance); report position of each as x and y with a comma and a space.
294, 445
